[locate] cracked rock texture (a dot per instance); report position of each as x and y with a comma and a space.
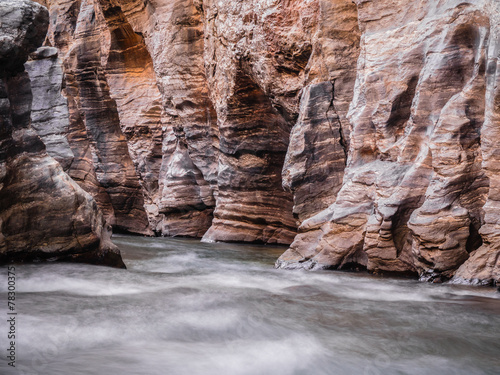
44, 214
363, 133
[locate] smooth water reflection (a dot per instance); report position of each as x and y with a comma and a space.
183, 307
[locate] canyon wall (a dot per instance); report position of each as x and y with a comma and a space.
44, 214
418, 192
207, 96
361, 133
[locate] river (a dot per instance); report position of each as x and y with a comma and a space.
186, 308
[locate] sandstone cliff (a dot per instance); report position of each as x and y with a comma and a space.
44, 214
418, 192
360, 132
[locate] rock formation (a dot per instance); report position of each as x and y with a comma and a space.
49, 109
44, 214
417, 191
360, 132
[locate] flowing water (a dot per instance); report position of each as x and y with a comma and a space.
184, 307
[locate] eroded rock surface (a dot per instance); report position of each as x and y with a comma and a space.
370, 126
417, 185
319, 141
44, 214
49, 109
260, 56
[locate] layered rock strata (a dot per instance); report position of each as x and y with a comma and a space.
174, 35
417, 185
155, 53
102, 163
44, 214
319, 140
262, 58
149, 60
49, 109
222, 148
369, 125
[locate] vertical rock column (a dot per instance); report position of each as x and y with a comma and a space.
251, 205
256, 54
132, 84
188, 175
122, 199
483, 265
102, 163
44, 214
63, 21
156, 51
319, 140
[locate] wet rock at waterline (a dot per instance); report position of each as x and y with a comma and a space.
419, 191
362, 133
44, 214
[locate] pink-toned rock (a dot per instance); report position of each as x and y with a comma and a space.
319, 141
102, 163
149, 59
132, 83
369, 125
256, 58
414, 186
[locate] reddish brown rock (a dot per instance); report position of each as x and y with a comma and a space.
151, 61
169, 37
414, 187
131, 79
44, 214
256, 59
377, 117
319, 141
174, 35
102, 163
251, 204
483, 265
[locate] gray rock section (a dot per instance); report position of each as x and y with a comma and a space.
49, 109
44, 214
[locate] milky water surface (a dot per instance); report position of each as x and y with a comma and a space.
184, 307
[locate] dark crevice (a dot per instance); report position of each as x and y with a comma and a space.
399, 223
186, 209
475, 240
331, 107
353, 267
401, 106
293, 62
259, 153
